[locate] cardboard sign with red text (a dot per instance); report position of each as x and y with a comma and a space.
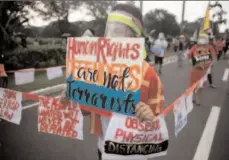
127, 138
57, 118
10, 105
105, 73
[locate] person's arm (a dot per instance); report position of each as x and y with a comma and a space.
153, 99
156, 93
189, 55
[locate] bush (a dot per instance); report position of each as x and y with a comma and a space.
44, 41
39, 57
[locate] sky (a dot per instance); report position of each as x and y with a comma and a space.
193, 10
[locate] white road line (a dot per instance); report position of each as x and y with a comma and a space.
225, 75
34, 104
39, 91
205, 143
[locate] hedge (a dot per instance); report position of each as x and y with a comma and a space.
39, 57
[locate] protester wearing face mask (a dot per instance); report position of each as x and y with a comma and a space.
161, 45
203, 55
126, 21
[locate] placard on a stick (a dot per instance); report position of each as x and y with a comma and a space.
105, 73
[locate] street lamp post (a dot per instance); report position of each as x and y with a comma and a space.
182, 17
141, 6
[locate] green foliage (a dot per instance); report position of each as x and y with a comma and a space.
98, 9
39, 57
13, 14
162, 21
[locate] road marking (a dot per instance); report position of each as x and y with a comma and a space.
34, 104
225, 75
39, 91
205, 143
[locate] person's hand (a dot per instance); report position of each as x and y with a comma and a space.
144, 112
63, 98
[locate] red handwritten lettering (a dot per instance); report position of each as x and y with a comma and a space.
56, 118
131, 137
103, 48
10, 94
132, 123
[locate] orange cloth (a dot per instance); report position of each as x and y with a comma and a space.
199, 70
195, 75
152, 93
2, 71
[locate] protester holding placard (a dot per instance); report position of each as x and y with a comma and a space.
203, 55
152, 96
126, 21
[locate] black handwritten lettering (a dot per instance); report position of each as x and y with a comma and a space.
94, 100
87, 95
102, 100
128, 101
83, 74
133, 149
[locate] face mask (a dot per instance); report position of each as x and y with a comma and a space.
124, 22
115, 29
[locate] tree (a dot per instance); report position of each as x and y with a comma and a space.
57, 10
13, 14
131, 2
162, 21
52, 30
191, 27
218, 17
99, 10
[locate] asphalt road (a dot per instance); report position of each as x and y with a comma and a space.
24, 142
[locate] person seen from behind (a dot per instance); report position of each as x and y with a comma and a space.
161, 45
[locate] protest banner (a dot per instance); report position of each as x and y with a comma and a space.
24, 76
60, 119
10, 105
105, 73
189, 102
128, 138
180, 114
54, 72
